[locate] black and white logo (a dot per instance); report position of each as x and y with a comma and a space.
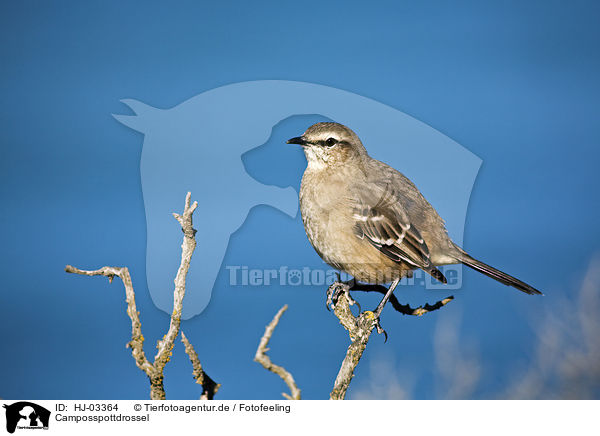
26, 415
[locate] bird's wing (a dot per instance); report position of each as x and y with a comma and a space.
382, 220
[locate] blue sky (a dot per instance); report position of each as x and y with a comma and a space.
513, 82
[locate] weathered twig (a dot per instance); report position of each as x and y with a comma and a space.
262, 358
209, 386
137, 339
361, 327
165, 346
154, 371
404, 309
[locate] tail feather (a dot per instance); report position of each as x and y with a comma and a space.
497, 274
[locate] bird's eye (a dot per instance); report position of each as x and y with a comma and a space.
331, 142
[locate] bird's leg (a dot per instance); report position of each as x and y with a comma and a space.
386, 297
382, 303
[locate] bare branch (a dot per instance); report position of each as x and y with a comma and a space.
262, 358
154, 371
209, 386
422, 310
165, 346
137, 339
361, 327
404, 309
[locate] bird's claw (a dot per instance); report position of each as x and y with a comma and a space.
331, 290
380, 329
333, 294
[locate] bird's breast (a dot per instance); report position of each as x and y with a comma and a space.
321, 206
327, 214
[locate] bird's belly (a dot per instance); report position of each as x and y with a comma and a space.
331, 233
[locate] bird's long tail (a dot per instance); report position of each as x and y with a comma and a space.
492, 272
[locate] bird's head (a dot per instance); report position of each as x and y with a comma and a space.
329, 144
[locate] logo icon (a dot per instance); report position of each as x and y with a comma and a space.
26, 415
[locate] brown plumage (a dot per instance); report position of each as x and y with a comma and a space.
367, 219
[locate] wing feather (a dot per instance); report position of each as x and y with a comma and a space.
387, 227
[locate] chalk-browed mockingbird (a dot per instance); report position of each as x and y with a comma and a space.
367, 219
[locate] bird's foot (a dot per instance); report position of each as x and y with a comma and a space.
380, 329
335, 290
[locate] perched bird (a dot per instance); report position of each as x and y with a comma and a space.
367, 219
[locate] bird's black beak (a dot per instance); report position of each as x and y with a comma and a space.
297, 140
